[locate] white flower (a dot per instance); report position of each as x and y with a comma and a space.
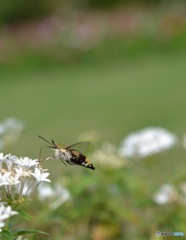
4, 179
1, 156
5, 213
147, 142
2, 159
22, 172
10, 130
56, 195
19, 177
10, 160
26, 162
166, 194
13, 179
40, 175
45, 191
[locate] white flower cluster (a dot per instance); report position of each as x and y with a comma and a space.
5, 213
168, 193
10, 130
108, 156
19, 177
147, 142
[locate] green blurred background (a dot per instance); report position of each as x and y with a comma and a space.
70, 68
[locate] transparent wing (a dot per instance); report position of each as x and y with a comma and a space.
81, 147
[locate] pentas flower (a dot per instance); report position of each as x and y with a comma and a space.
55, 195
166, 194
9, 160
40, 175
26, 162
10, 130
22, 172
2, 158
13, 179
19, 177
4, 179
146, 142
171, 194
5, 213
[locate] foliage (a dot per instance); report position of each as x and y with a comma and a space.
20, 10
111, 3
112, 203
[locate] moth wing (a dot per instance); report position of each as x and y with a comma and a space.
75, 153
80, 147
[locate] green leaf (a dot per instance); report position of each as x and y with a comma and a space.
25, 215
30, 231
6, 235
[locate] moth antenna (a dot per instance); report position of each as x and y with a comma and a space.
45, 139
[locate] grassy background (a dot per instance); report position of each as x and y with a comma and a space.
114, 97
110, 90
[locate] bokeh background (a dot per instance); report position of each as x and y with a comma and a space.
94, 70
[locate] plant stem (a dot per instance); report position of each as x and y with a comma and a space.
7, 224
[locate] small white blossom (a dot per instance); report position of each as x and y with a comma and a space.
22, 172
4, 179
40, 175
5, 213
10, 130
56, 196
171, 194
147, 142
13, 179
10, 160
2, 159
1, 156
45, 191
26, 162
166, 194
